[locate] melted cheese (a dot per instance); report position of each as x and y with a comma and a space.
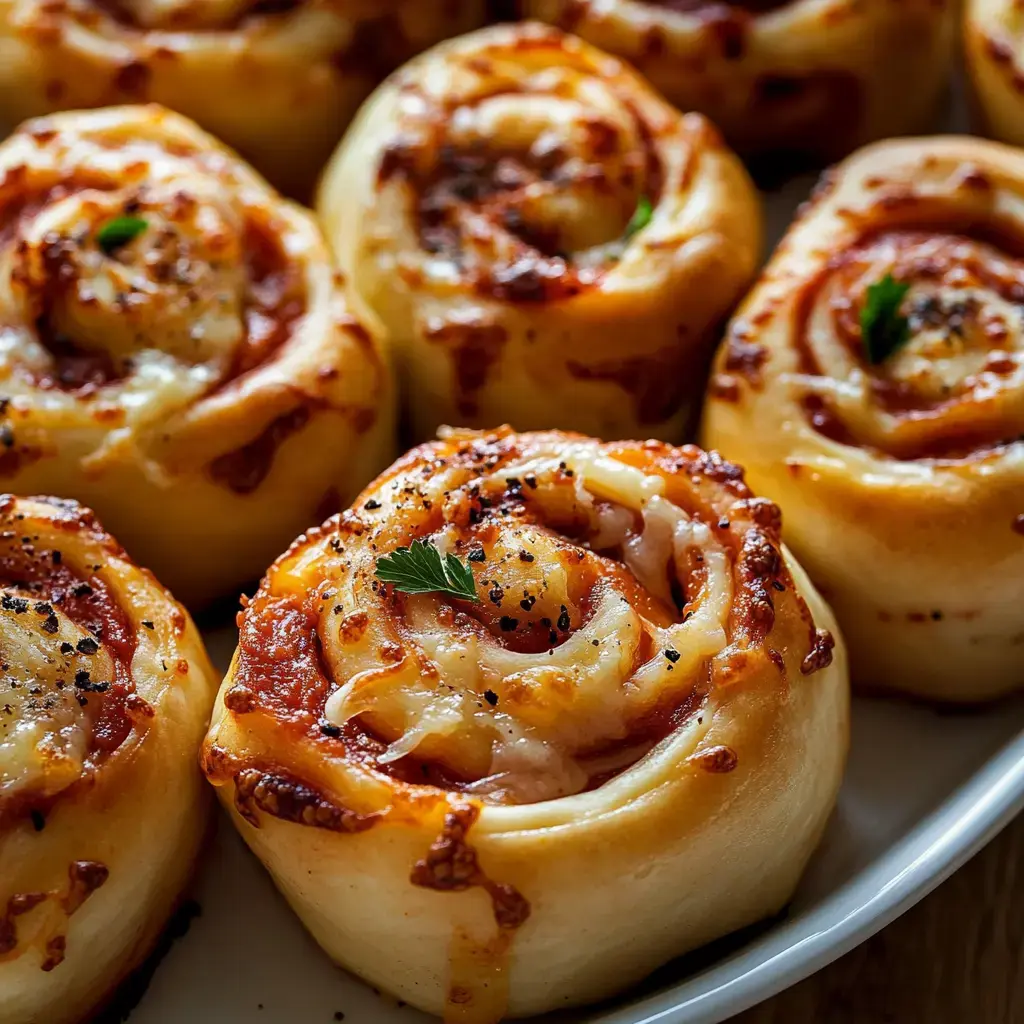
45, 719
524, 722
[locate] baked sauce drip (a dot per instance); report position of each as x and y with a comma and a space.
615, 585
519, 179
67, 648
955, 389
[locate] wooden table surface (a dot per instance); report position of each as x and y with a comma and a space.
955, 958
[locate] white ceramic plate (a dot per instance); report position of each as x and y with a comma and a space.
924, 791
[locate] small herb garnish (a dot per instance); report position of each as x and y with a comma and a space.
420, 569
641, 217
119, 231
883, 328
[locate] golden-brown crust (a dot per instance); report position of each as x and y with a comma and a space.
546, 240
636, 621
191, 370
909, 460
780, 79
279, 82
104, 694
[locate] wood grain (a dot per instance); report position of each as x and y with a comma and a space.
955, 958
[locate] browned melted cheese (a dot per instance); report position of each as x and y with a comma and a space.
67, 697
541, 217
185, 314
618, 585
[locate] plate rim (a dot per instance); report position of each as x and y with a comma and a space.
940, 843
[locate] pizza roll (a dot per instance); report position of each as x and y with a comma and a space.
810, 79
546, 240
176, 349
480, 724
873, 384
105, 695
278, 81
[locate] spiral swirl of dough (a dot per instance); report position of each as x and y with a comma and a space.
547, 241
902, 477
279, 81
104, 695
640, 652
199, 371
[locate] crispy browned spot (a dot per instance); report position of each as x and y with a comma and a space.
451, 866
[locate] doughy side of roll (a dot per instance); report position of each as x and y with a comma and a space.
105, 695
546, 240
811, 78
176, 348
994, 53
278, 81
873, 384
618, 739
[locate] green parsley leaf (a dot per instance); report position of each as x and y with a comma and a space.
641, 217
883, 329
119, 231
420, 569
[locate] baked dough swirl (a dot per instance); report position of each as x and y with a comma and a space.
277, 80
547, 241
175, 349
104, 696
647, 696
807, 78
902, 478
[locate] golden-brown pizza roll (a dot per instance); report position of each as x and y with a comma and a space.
547, 241
175, 347
808, 78
478, 798
279, 81
994, 52
873, 385
105, 695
